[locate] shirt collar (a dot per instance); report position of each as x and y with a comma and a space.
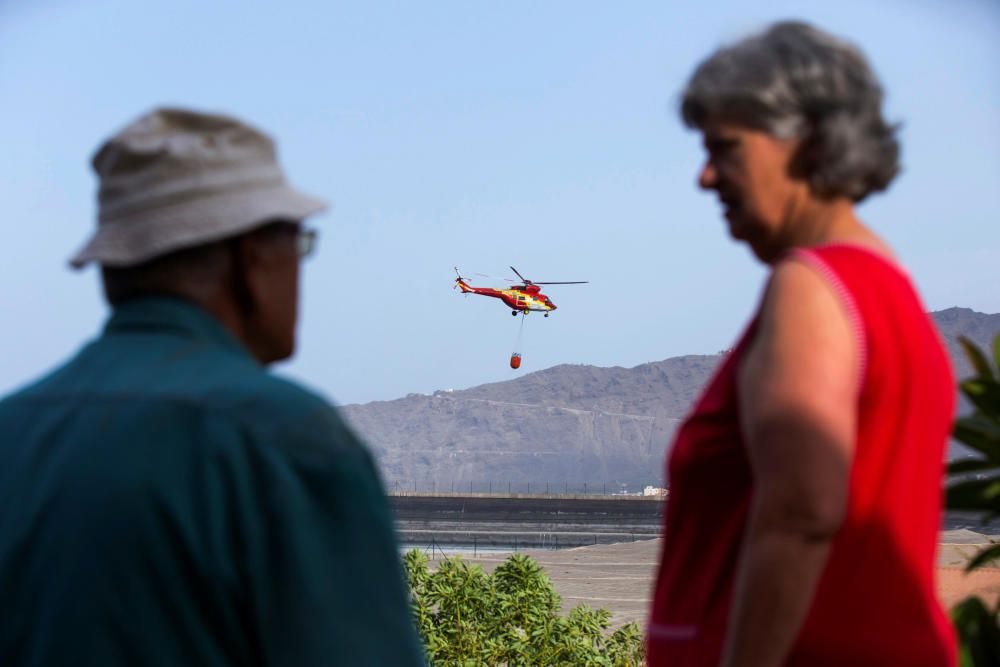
163, 314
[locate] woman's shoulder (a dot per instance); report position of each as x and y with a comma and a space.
876, 293
864, 275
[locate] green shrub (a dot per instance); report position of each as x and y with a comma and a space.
510, 617
975, 486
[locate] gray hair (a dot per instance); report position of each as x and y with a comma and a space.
795, 81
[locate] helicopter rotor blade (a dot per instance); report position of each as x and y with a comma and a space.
489, 277
571, 282
526, 281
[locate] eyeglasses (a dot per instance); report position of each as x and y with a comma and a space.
305, 241
287, 230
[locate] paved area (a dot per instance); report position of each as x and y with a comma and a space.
619, 577
954, 584
616, 577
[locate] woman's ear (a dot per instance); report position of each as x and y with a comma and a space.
805, 157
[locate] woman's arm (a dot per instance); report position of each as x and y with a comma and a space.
798, 393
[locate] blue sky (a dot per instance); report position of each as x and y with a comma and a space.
542, 135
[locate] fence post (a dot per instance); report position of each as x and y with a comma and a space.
474, 540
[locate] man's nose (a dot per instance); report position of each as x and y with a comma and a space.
708, 178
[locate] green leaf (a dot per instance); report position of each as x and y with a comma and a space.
984, 394
980, 433
996, 350
974, 494
976, 358
963, 466
510, 617
978, 633
984, 556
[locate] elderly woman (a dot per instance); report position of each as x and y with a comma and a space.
805, 485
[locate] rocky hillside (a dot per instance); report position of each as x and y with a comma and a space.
955, 322
565, 426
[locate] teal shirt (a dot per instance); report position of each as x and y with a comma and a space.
166, 501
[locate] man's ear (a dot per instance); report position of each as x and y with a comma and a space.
245, 256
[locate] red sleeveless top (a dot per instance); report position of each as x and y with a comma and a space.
876, 601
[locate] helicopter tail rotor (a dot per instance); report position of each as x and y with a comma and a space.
460, 283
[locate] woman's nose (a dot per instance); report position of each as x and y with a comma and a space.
708, 177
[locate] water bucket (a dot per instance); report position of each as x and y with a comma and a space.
515, 360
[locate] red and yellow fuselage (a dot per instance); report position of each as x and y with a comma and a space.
520, 298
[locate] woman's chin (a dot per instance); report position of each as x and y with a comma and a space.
737, 230
765, 252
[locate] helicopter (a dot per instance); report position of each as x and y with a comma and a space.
522, 298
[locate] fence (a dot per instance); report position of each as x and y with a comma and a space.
497, 545
511, 487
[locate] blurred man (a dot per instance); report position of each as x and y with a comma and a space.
163, 499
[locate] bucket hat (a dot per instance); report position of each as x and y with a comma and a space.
177, 178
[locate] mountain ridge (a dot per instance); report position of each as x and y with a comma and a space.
570, 423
